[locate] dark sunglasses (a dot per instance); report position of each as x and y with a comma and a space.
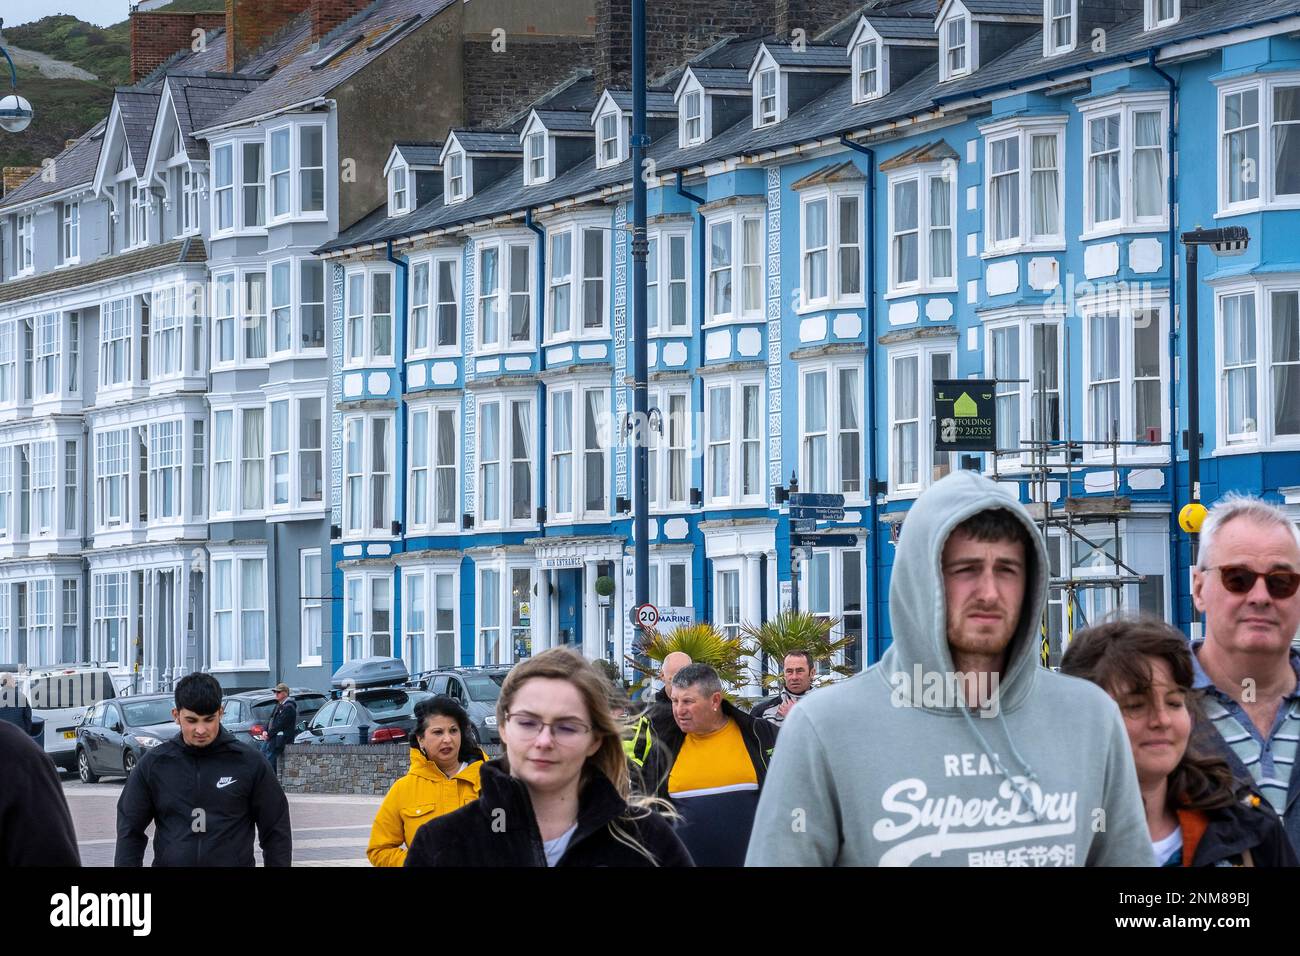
1240, 580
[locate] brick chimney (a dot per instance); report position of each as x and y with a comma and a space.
155, 37
251, 23
11, 177
327, 14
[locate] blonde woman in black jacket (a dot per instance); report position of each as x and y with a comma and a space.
560, 795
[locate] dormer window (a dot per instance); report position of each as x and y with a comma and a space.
1161, 13
766, 86
398, 191
23, 258
1061, 25
455, 177
535, 146
693, 118
956, 60
609, 151
866, 71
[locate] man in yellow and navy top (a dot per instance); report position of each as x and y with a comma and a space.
711, 764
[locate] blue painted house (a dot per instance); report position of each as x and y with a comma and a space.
993, 190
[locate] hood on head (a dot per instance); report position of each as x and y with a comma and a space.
917, 609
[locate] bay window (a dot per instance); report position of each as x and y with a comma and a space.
43, 472
47, 355
166, 451
831, 429
667, 282
308, 331
1125, 376
296, 170
223, 461
1259, 153
831, 247
913, 370
504, 292
431, 481
1124, 159
115, 343
1030, 350
281, 306
368, 475
166, 322
223, 319
1259, 363
430, 594
581, 490
112, 467
6, 490
668, 455
252, 179
239, 460
1024, 194
734, 441
577, 280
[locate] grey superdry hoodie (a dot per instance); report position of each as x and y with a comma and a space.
885, 770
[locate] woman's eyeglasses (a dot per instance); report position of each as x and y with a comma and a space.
527, 727
1240, 580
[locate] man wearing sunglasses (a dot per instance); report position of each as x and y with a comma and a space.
1247, 585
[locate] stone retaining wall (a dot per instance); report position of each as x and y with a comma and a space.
330, 768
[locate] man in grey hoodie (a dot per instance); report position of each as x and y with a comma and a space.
894, 767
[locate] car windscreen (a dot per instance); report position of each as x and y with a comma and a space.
145, 712
392, 703
306, 707
80, 690
485, 688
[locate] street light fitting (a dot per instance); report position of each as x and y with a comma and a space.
15, 112
1226, 241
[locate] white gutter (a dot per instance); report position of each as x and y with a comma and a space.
249, 120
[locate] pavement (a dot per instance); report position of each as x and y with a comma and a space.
328, 830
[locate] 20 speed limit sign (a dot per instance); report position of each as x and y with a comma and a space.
647, 616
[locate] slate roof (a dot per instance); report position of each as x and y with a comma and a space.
1027, 8
138, 110
75, 166
656, 102
480, 141
198, 99
903, 28
295, 81
935, 152
812, 56
189, 249
717, 79
420, 154
566, 121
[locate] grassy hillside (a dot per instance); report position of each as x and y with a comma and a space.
106, 51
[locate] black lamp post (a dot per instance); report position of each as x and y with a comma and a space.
640, 394
1227, 241
15, 112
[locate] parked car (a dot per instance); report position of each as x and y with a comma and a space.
477, 690
113, 735
376, 716
246, 713
59, 697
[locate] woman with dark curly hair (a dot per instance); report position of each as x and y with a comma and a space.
1196, 814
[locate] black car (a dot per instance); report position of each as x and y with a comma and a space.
113, 735
246, 713
477, 690
376, 716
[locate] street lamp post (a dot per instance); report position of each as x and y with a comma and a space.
640, 395
1227, 241
15, 112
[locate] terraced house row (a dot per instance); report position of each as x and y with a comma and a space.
407, 435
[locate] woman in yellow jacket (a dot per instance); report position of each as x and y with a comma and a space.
444, 776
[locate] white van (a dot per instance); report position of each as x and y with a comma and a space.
60, 695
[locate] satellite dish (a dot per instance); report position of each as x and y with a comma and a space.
15, 113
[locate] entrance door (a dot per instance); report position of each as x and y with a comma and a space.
568, 595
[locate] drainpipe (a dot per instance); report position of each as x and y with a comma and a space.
399, 335
541, 362
873, 539
1174, 576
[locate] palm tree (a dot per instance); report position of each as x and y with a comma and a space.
704, 643
797, 631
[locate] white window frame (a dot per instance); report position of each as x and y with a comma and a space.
833, 428
1267, 196
766, 68
504, 624
368, 633
946, 46
862, 92
432, 412
691, 119
660, 277
1265, 435
456, 177
925, 282
24, 243
424, 579
538, 151
1126, 306
118, 442
47, 356
1127, 108
294, 453
927, 458
736, 219
1024, 324
1023, 240
69, 233
835, 297
505, 520
368, 476
579, 451
191, 191
734, 441
663, 449
835, 560
312, 608
577, 280
158, 472
661, 572
1152, 21
399, 195
369, 356
235, 189
235, 557
294, 307
506, 247
1050, 17
296, 171
620, 140
234, 485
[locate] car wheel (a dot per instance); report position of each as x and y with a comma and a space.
83, 767
128, 762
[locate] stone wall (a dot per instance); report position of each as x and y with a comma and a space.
327, 768
499, 83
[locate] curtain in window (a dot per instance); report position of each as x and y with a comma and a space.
252, 614
445, 490
490, 455
1104, 147
1239, 363
1006, 188
521, 478
814, 424
251, 453
1286, 140
940, 228
1286, 363
1148, 166
1045, 200
906, 252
